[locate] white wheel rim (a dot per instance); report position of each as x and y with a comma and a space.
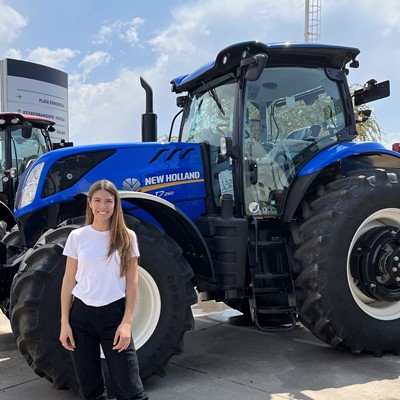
147, 309
381, 310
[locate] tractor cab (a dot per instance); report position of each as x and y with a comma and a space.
274, 107
23, 138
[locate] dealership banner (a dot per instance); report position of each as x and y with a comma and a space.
35, 89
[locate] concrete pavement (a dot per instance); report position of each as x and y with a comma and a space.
227, 359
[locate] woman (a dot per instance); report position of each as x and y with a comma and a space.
101, 277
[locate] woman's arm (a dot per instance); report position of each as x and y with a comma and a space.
69, 282
123, 334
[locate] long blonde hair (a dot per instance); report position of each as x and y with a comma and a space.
120, 238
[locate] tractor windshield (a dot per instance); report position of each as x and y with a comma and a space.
290, 113
22, 149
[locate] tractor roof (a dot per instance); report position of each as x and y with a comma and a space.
18, 118
279, 54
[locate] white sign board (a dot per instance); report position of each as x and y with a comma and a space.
35, 89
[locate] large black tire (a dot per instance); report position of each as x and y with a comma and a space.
35, 310
162, 316
14, 242
348, 237
15, 249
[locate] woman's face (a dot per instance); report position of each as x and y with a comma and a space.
102, 204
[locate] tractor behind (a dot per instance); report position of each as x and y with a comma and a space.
23, 138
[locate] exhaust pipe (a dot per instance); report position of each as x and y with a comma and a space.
149, 119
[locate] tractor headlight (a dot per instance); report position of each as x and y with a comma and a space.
28, 191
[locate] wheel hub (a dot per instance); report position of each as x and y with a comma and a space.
375, 263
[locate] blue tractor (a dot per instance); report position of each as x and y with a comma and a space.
266, 202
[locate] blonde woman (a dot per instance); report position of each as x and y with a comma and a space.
98, 297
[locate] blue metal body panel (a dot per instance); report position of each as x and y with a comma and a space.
198, 72
172, 171
340, 151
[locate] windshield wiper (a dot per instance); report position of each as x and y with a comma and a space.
214, 96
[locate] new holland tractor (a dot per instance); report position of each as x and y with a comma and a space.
23, 138
267, 202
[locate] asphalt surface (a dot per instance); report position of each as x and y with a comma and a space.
226, 359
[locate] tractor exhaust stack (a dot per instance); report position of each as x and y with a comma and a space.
149, 119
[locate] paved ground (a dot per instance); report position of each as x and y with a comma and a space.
225, 359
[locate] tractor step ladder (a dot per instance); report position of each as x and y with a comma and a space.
269, 281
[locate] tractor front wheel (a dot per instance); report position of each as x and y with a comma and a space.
162, 313
15, 252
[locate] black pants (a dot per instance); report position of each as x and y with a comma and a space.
95, 326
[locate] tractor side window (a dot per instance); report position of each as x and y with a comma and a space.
210, 114
291, 113
208, 117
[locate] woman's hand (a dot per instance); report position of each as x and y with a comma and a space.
122, 337
66, 337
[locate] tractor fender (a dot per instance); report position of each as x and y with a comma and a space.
7, 216
343, 150
179, 227
352, 157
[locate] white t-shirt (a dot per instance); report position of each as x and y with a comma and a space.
97, 277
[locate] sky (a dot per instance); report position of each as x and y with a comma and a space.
105, 46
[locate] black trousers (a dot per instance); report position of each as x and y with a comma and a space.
95, 326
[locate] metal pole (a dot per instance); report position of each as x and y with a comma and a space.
306, 19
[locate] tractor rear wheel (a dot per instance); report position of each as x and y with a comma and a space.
162, 314
347, 249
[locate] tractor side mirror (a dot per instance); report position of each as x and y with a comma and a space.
26, 131
255, 66
371, 91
